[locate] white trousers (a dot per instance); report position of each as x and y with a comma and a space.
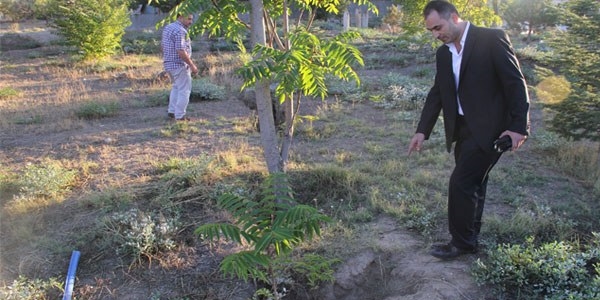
181, 80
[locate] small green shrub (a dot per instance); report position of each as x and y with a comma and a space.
407, 97
535, 52
547, 141
141, 43
97, 110
109, 200
541, 223
272, 226
48, 179
310, 269
402, 92
23, 288
139, 234
556, 270
180, 174
8, 92
203, 89
294, 271
95, 27
15, 41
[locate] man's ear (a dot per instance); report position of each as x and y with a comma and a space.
455, 18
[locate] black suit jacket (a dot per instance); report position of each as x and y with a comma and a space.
492, 90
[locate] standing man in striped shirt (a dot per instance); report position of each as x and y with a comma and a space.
176, 48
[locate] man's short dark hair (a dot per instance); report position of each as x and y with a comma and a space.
443, 8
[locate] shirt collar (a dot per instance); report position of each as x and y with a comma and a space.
463, 38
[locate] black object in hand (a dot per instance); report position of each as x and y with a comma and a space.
503, 144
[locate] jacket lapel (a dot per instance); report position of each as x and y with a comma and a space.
447, 72
468, 48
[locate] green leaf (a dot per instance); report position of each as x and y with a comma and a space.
215, 231
246, 264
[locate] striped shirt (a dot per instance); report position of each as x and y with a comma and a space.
175, 37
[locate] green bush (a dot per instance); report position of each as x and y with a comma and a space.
271, 226
95, 27
49, 179
556, 270
402, 92
95, 110
541, 222
139, 234
181, 174
23, 288
203, 89
141, 43
8, 92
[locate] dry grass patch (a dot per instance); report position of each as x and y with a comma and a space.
220, 68
76, 89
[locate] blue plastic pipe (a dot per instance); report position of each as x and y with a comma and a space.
70, 282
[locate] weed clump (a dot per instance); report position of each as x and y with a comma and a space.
95, 110
141, 234
24, 288
46, 180
556, 270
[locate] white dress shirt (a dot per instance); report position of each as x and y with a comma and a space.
456, 61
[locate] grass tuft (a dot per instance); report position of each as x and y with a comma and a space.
8, 92
97, 110
24, 288
42, 184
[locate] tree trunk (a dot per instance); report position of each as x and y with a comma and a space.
288, 105
598, 156
264, 106
597, 183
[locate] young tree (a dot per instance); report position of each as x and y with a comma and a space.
289, 55
95, 27
476, 11
535, 14
271, 231
578, 57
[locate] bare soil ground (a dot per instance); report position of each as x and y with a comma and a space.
388, 262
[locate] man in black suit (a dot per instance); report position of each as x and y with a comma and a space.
482, 93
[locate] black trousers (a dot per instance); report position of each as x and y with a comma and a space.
467, 187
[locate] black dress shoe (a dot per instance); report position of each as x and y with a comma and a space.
184, 118
449, 251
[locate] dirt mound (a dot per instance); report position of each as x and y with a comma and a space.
398, 266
